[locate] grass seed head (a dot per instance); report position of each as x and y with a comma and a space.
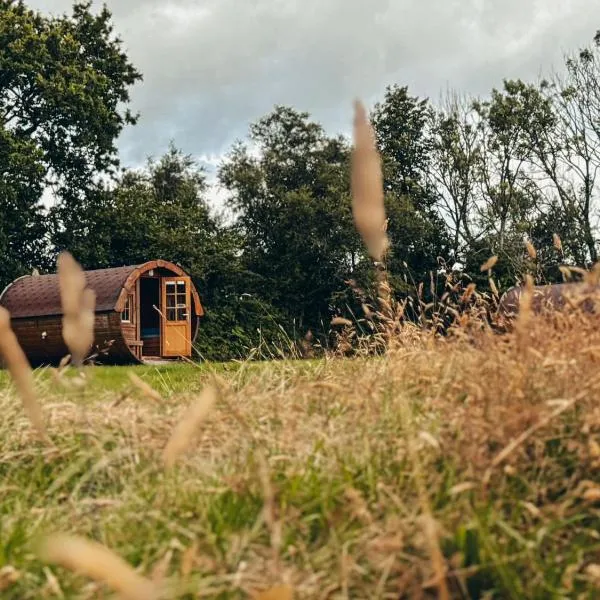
99, 563
184, 431
79, 304
494, 288
489, 263
367, 186
525, 309
71, 281
565, 272
145, 388
280, 592
8, 577
20, 371
531, 250
340, 321
557, 242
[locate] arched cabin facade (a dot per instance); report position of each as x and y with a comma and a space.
143, 312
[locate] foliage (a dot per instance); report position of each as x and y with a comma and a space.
22, 226
419, 240
159, 210
400, 123
292, 206
63, 83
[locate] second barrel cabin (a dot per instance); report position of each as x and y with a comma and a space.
144, 312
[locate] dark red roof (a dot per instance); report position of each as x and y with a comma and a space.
39, 295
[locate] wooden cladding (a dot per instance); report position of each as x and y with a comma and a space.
148, 310
42, 341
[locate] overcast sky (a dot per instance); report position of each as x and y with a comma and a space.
211, 67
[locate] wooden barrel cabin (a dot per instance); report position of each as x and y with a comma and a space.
143, 313
549, 299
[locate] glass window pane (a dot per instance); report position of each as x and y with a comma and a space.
127, 310
181, 287
171, 316
181, 314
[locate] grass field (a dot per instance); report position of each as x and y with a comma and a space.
356, 478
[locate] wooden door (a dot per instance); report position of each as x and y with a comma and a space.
176, 339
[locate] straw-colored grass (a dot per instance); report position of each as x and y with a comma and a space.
474, 457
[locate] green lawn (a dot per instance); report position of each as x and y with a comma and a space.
168, 380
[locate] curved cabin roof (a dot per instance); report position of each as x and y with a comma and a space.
39, 295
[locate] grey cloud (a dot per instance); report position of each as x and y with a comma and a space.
211, 67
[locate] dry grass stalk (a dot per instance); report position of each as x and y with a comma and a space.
341, 321
78, 304
280, 592
557, 242
20, 371
188, 559
494, 288
525, 312
161, 568
531, 250
384, 295
367, 186
8, 577
494, 417
146, 389
368, 209
269, 513
185, 430
489, 263
99, 563
430, 529
469, 291
459, 488
519, 440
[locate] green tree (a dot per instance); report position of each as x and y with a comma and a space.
418, 235
64, 87
507, 193
159, 211
23, 241
548, 176
290, 196
400, 123
454, 168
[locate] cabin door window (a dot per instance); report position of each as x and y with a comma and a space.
177, 323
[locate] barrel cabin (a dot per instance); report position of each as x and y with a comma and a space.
144, 313
550, 299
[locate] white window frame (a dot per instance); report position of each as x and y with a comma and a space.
128, 309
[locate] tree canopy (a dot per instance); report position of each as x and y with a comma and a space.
64, 89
